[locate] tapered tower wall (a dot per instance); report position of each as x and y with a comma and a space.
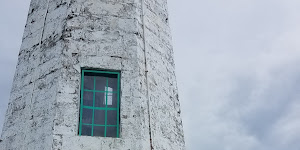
63, 36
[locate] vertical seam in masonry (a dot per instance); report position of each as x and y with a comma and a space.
58, 87
146, 72
45, 18
32, 78
40, 47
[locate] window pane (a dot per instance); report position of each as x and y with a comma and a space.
99, 91
100, 83
111, 117
87, 115
112, 100
99, 117
99, 131
113, 84
89, 82
99, 99
88, 98
111, 131
86, 130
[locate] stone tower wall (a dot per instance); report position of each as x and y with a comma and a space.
63, 36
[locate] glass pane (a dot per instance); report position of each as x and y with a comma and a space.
100, 83
86, 130
111, 131
89, 82
99, 99
99, 131
112, 100
111, 117
99, 117
88, 98
87, 115
113, 84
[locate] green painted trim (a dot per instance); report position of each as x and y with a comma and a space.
95, 71
85, 90
81, 101
99, 108
94, 96
106, 108
118, 105
99, 125
106, 89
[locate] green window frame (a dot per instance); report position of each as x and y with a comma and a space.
99, 103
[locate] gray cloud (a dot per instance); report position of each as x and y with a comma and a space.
237, 73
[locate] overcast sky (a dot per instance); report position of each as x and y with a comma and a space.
238, 70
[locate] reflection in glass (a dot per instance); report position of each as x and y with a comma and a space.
112, 97
109, 95
113, 83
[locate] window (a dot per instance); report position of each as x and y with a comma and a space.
100, 103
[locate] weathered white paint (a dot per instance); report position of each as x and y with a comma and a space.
63, 36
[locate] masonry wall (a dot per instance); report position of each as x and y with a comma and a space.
63, 36
166, 124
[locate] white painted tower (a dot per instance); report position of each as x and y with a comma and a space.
95, 74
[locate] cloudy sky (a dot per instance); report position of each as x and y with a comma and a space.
237, 64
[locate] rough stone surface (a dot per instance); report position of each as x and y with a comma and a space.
63, 36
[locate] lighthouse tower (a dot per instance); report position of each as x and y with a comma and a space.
92, 75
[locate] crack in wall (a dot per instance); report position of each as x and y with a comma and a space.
146, 72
